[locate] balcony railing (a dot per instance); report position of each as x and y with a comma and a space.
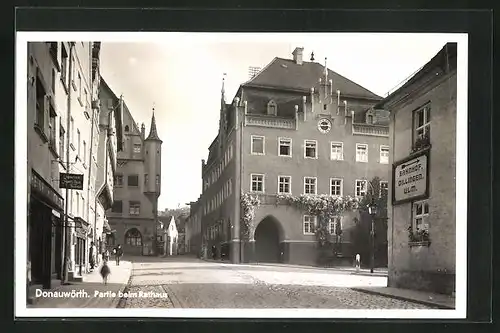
373, 130
272, 122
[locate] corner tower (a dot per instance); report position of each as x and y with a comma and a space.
152, 175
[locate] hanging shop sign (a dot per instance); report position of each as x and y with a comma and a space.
71, 181
410, 178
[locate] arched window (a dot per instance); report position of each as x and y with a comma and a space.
126, 128
272, 108
110, 239
133, 237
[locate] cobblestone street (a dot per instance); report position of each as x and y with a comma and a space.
192, 283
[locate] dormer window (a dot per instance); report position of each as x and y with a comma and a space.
369, 117
126, 128
272, 108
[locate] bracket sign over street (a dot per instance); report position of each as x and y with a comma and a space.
411, 178
71, 181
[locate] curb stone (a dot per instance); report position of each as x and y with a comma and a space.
402, 298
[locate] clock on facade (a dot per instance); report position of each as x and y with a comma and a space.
324, 125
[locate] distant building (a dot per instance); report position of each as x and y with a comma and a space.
295, 128
253, 71
193, 228
422, 221
137, 185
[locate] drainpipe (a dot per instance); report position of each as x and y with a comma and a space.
68, 137
90, 172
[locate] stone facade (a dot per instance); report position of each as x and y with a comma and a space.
427, 263
319, 113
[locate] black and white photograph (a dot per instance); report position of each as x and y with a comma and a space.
202, 175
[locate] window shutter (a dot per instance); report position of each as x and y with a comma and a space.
46, 115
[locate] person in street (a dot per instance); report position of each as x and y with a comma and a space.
358, 262
118, 252
105, 271
105, 255
214, 252
91, 256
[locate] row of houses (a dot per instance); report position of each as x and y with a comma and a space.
72, 147
300, 129
82, 144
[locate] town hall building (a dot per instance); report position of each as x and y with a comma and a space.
295, 128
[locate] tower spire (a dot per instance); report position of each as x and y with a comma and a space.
153, 133
326, 72
223, 90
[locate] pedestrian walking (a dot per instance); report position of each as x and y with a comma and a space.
358, 262
118, 252
214, 252
105, 255
91, 256
105, 271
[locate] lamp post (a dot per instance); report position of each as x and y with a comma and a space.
372, 210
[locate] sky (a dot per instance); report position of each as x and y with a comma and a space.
181, 76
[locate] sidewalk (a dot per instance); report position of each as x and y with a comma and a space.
91, 292
346, 270
426, 298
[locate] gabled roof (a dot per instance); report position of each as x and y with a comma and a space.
286, 74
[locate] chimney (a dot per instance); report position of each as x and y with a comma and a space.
143, 131
297, 55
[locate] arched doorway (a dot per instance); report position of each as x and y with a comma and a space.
267, 241
133, 242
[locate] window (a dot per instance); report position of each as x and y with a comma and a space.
85, 96
79, 87
310, 149
284, 147
118, 180
257, 184
126, 128
384, 154
257, 143
369, 119
309, 224
53, 81
78, 143
133, 237
284, 183
137, 148
361, 152
384, 188
309, 185
157, 180
52, 127
40, 104
133, 180
61, 139
421, 215
360, 188
145, 179
422, 122
64, 65
337, 151
84, 151
83, 208
335, 225
134, 208
72, 131
335, 186
272, 109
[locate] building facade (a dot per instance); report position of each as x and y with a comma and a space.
63, 141
133, 218
193, 228
422, 221
295, 128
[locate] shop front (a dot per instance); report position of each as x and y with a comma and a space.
44, 232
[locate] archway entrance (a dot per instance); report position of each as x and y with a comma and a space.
133, 242
267, 241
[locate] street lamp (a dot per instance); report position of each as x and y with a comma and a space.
372, 210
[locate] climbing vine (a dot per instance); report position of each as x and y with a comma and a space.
324, 206
249, 203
